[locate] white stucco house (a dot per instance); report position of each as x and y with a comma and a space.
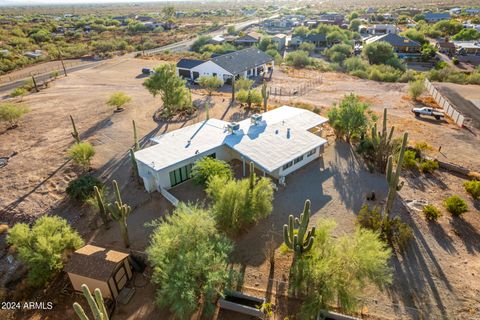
278, 142
250, 62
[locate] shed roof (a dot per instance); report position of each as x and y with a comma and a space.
189, 63
94, 262
240, 61
267, 143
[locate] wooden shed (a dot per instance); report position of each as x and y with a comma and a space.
98, 267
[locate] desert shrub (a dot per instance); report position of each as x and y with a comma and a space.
82, 188
43, 247
118, 100
455, 60
416, 88
473, 187
190, 261
360, 74
355, 64
428, 166
298, 59
210, 83
392, 230
456, 205
409, 160
82, 154
12, 113
238, 204
383, 72
382, 53
423, 146
18, 92
249, 97
473, 78
204, 169
3, 228
339, 52
431, 212
336, 270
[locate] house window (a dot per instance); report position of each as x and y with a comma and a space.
311, 152
181, 174
287, 165
297, 160
214, 74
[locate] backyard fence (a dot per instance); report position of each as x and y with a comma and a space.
39, 71
445, 104
297, 90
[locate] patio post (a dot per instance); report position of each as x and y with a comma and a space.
243, 166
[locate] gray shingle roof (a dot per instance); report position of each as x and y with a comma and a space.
188, 63
395, 40
316, 38
242, 60
436, 15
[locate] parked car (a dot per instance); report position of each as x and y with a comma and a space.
147, 71
426, 111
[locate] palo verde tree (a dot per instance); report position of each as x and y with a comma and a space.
42, 247
96, 304
206, 168
336, 270
351, 118
189, 259
119, 212
175, 95
210, 83
118, 100
249, 97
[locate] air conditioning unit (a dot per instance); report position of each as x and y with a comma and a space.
256, 118
232, 127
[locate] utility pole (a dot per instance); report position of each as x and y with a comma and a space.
35, 83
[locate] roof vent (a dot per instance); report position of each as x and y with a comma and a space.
256, 118
288, 133
232, 127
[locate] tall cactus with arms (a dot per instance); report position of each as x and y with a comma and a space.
265, 96
393, 178
74, 133
102, 208
382, 143
96, 305
303, 240
119, 212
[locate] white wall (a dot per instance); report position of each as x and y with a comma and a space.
300, 164
208, 68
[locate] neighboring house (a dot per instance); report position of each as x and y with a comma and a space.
399, 43
311, 24
280, 40
455, 11
472, 11
250, 62
101, 268
382, 29
249, 39
319, 40
371, 10
436, 16
333, 17
278, 142
217, 40
33, 54
467, 47
446, 47
295, 42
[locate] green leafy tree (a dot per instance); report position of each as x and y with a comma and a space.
243, 84
354, 25
169, 12
199, 43
301, 32
250, 97
231, 30
189, 259
298, 59
118, 100
339, 52
44, 246
264, 43
448, 27
381, 53
210, 83
307, 46
351, 118
337, 269
175, 95
12, 113
83, 187
467, 35
206, 168
82, 154
238, 204
415, 35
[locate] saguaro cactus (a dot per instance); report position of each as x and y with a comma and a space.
119, 212
265, 96
252, 176
233, 89
382, 143
96, 304
303, 240
393, 178
135, 174
102, 208
74, 133
135, 139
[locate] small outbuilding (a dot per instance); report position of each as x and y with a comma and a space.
98, 267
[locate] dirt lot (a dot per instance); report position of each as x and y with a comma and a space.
437, 276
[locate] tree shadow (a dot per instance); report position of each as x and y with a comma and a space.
442, 238
467, 233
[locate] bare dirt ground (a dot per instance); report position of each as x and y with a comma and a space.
436, 277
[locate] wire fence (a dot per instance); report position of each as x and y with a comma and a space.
39, 71
297, 90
